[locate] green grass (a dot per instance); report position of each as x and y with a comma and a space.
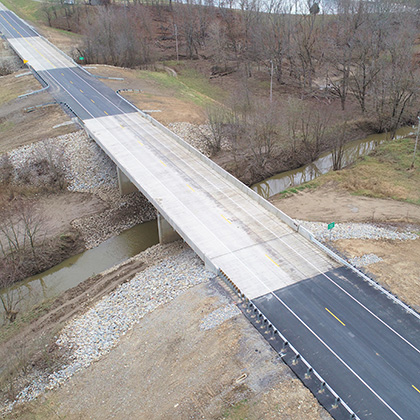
294, 190
6, 126
26, 9
8, 330
188, 85
239, 411
72, 35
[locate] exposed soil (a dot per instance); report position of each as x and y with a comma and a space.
152, 97
399, 271
329, 203
26, 120
59, 210
37, 335
167, 367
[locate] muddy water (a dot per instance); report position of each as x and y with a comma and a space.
322, 165
76, 269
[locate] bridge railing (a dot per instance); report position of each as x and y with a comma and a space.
283, 216
290, 355
270, 207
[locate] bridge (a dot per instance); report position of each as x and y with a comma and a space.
351, 342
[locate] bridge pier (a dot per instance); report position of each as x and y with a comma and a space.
124, 184
166, 232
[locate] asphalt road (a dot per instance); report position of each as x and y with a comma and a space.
350, 332
365, 346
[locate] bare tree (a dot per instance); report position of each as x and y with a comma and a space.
307, 129
302, 54
262, 137
341, 46
21, 243
338, 148
218, 119
396, 87
118, 37
6, 169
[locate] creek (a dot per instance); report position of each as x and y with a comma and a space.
51, 283
322, 165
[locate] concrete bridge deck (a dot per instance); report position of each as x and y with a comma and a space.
334, 319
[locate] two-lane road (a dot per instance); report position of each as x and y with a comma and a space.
365, 346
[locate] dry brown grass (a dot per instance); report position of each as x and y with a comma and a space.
386, 173
12, 87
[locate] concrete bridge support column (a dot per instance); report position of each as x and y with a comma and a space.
125, 185
167, 233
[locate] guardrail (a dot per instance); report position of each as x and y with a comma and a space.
270, 207
299, 365
305, 233
39, 78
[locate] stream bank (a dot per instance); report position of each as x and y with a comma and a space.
324, 164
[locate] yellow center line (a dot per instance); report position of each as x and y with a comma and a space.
163, 163
28, 42
272, 260
62, 74
81, 90
141, 144
338, 319
71, 82
106, 112
190, 188
416, 389
226, 219
92, 100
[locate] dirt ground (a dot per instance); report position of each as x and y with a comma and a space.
170, 107
166, 367
36, 336
59, 210
329, 203
399, 271
21, 122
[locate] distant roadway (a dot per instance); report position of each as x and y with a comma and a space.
363, 344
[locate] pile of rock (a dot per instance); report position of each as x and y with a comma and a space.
86, 169
197, 136
357, 231
365, 260
93, 334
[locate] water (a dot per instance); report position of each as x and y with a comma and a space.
74, 270
322, 165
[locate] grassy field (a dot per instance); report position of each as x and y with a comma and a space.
385, 173
189, 85
26, 9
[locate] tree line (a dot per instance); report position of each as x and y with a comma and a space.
360, 49
356, 53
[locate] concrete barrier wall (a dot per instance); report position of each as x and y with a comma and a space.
274, 210
267, 205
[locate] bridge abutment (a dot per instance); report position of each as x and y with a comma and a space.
166, 232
